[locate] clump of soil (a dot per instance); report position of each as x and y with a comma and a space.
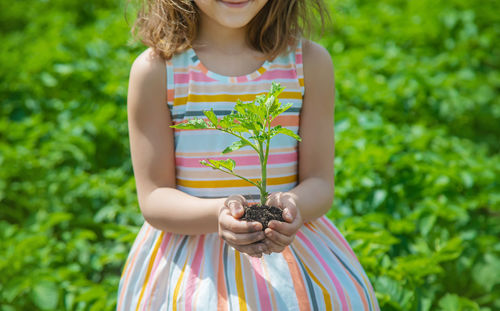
263, 214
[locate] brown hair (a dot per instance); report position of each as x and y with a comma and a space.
170, 26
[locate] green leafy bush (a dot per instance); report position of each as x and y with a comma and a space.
417, 131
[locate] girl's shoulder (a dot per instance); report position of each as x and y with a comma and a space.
314, 54
149, 60
317, 62
147, 70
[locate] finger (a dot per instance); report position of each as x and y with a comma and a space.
273, 247
289, 206
242, 239
278, 238
288, 215
236, 209
274, 199
236, 205
229, 223
284, 228
290, 211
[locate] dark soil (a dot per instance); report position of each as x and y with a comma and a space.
263, 214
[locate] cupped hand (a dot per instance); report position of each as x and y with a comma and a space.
281, 234
246, 237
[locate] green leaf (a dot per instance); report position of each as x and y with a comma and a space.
193, 124
235, 146
453, 302
284, 130
282, 109
252, 124
259, 100
449, 251
269, 102
487, 272
239, 107
426, 223
217, 164
204, 162
46, 295
227, 122
211, 116
276, 88
229, 164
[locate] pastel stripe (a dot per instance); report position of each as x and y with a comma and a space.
278, 74
240, 160
193, 174
221, 283
195, 98
298, 282
283, 120
130, 265
265, 302
326, 295
150, 266
237, 152
318, 274
330, 273
178, 286
269, 286
339, 236
239, 282
298, 58
252, 300
233, 182
193, 273
163, 247
249, 89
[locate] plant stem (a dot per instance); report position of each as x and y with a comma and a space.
236, 175
263, 181
263, 161
240, 137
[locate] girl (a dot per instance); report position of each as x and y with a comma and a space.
193, 252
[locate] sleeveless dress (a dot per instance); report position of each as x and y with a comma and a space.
166, 271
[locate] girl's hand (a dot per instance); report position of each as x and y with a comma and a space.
281, 234
246, 237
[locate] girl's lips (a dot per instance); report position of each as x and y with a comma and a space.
234, 4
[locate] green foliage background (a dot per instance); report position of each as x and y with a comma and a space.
417, 142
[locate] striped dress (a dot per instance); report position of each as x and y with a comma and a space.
166, 271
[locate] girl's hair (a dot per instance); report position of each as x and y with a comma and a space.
170, 26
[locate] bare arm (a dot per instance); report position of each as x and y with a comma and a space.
153, 159
314, 193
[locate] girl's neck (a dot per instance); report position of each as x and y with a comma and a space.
222, 39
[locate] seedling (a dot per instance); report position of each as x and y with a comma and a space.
251, 124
